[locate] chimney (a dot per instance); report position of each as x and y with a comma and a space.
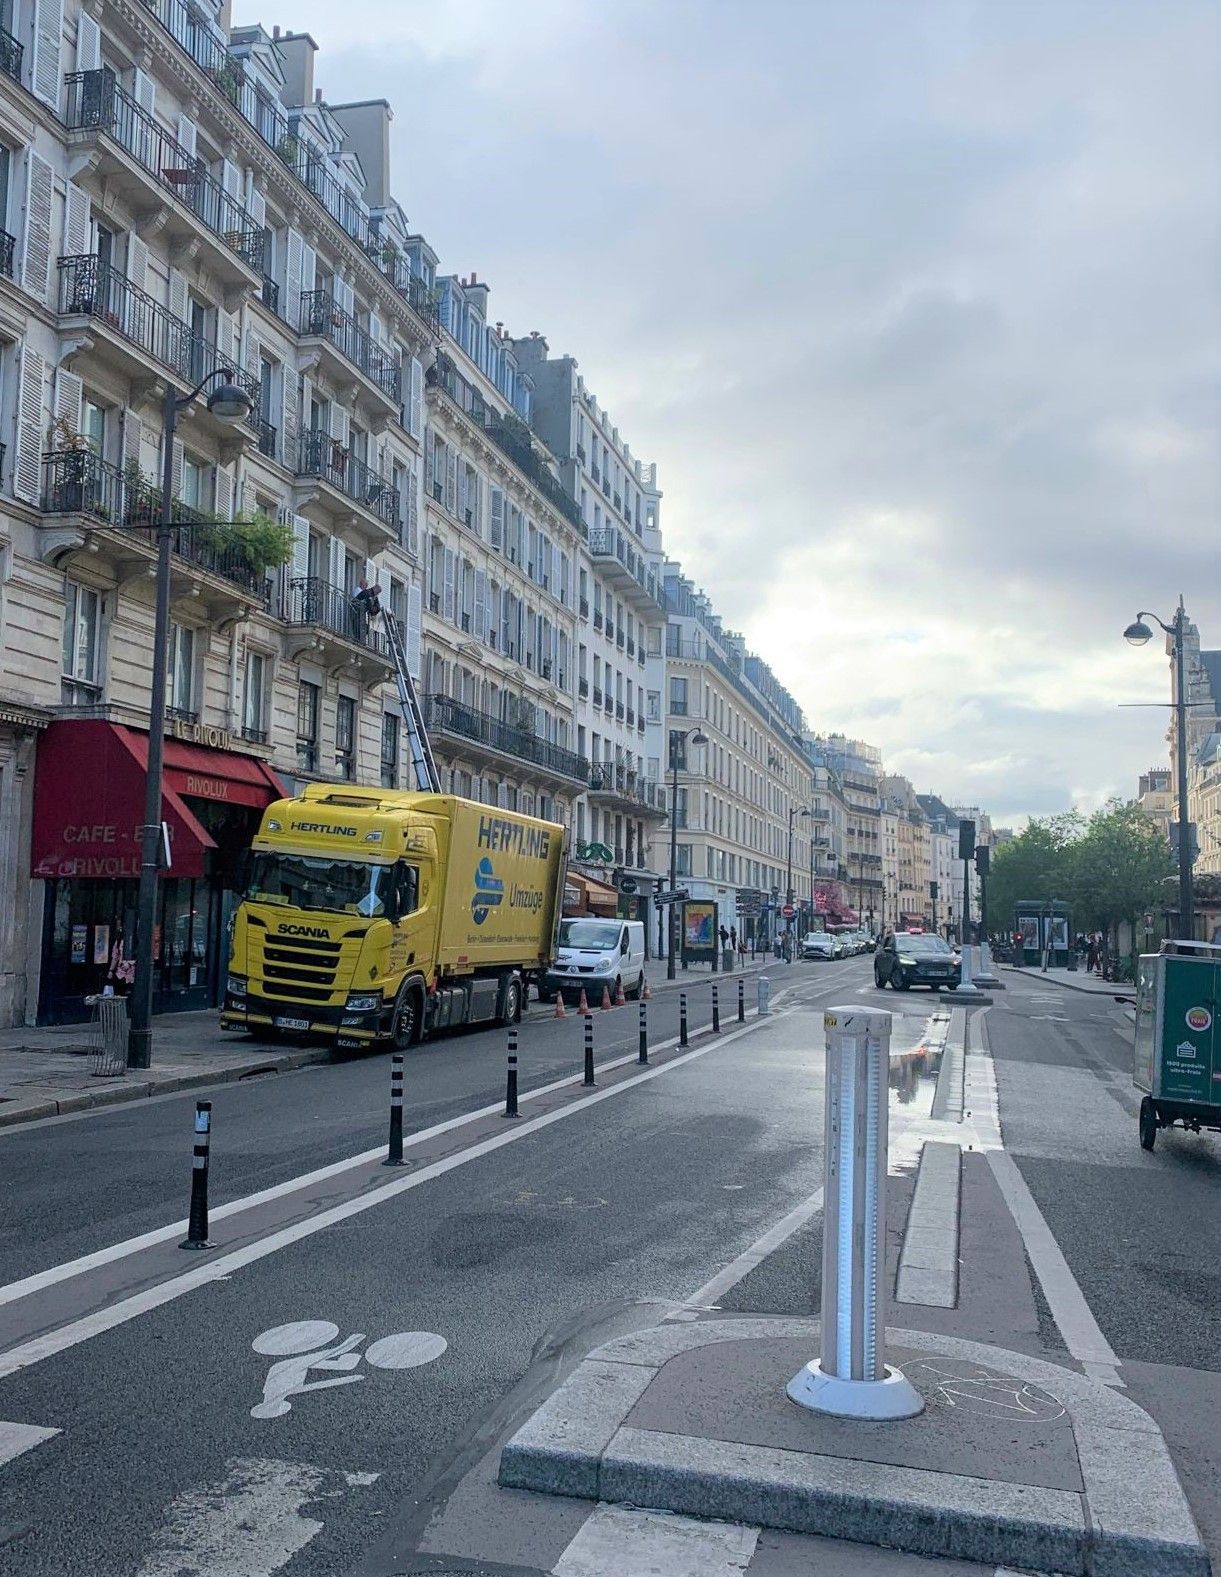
366, 133
297, 51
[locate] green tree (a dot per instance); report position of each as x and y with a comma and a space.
1038, 864
1122, 863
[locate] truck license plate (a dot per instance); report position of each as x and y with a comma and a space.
292, 1023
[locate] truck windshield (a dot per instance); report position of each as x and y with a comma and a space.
341, 886
589, 933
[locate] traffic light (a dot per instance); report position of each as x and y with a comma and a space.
966, 839
981, 859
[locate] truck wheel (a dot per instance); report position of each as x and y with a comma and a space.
511, 1003
637, 990
406, 1025
1148, 1124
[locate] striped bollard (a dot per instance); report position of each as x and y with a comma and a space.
644, 1033
741, 1000
589, 1053
716, 1012
511, 1076
394, 1151
682, 1018
197, 1221
764, 986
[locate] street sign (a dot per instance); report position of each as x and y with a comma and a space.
679, 895
788, 911
627, 884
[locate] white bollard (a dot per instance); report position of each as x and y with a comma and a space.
966, 987
851, 1378
763, 987
985, 975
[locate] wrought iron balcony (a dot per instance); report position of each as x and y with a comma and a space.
7, 246
96, 103
270, 294
78, 482
621, 783
11, 52
89, 288
627, 566
425, 302
314, 602
320, 455
322, 314
268, 438
446, 716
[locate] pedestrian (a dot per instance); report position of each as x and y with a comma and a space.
724, 934
1091, 960
733, 937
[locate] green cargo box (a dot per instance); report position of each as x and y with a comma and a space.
1178, 1041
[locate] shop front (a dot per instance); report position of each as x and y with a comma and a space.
88, 809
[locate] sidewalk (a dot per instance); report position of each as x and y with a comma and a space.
1076, 980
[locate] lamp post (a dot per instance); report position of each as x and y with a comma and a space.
1138, 633
794, 812
676, 737
228, 402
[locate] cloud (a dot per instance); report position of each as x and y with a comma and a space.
916, 306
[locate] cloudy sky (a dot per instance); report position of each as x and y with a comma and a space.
915, 305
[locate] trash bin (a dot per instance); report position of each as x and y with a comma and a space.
110, 1025
727, 960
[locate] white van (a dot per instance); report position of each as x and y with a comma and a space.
592, 953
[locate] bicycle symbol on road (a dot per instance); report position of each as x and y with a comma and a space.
305, 1345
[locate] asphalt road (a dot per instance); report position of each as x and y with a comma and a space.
510, 1260
94, 1179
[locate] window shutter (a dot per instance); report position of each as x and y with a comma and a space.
309, 267
300, 559
415, 413
137, 261
177, 484
69, 391
178, 295
292, 278
231, 180
289, 422
256, 207
224, 493
340, 425
475, 503
415, 630
480, 626
131, 439
411, 513
48, 36
186, 135
88, 43
451, 481
498, 517
36, 258
144, 91
27, 474
448, 598
335, 555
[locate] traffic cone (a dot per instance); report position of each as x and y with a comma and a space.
620, 999
606, 1001
583, 1005
559, 1006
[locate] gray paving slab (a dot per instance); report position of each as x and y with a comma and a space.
559, 1448
780, 1554
928, 1260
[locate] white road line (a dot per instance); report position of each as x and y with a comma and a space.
115, 1314
16, 1439
622, 1541
106, 1256
738, 1269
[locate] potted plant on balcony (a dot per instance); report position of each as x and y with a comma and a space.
288, 147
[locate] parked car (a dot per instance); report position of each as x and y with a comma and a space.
818, 944
591, 954
908, 959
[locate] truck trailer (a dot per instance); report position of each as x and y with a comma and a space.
375, 915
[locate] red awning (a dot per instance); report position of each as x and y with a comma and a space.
89, 799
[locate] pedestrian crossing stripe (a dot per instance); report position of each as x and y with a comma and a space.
17, 1439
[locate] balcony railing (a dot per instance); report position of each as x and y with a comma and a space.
7, 246
318, 454
270, 294
268, 438
314, 602
10, 55
423, 300
96, 102
452, 717
78, 482
509, 434
89, 287
610, 542
322, 314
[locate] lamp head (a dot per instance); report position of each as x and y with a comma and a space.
697, 738
1138, 633
229, 402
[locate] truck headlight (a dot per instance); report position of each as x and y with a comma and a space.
364, 1002
235, 985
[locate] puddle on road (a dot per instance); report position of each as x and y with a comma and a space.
913, 1085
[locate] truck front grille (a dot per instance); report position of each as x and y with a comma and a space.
304, 969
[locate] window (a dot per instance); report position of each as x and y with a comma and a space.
390, 750
682, 860
680, 807
82, 621
253, 698
345, 737
181, 672
678, 697
93, 426
194, 483
307, 727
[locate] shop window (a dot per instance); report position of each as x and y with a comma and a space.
345, 737
82, 632
181, 697
307, 727
390, 750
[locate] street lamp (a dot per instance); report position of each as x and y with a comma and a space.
228, 402
1139, 634
794, 812
676, 738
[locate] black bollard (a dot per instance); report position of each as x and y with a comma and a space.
741, 1001
589, 1053
644, 1033
716, 1013
394, 1151
511, 1077
682, 1018
197, 1221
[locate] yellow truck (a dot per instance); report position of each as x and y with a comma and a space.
377, 914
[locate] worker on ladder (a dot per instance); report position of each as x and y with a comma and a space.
366, 606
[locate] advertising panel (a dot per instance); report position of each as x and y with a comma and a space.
699, 932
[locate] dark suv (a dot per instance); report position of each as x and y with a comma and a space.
916, 958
